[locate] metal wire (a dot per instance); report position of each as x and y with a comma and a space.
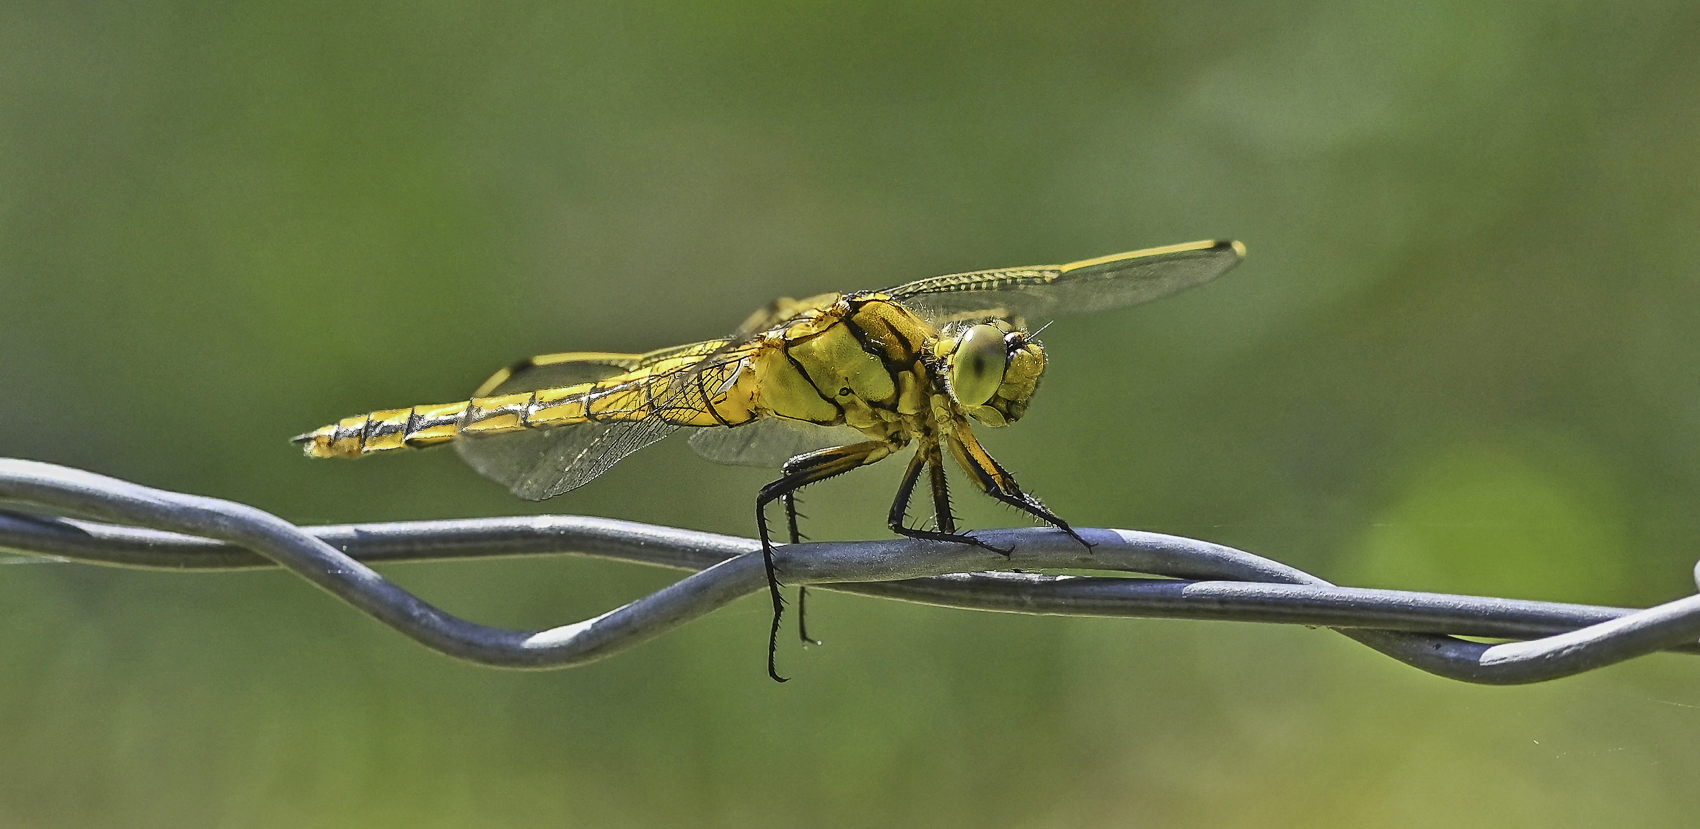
143, 527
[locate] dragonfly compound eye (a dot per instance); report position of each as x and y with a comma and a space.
977, 366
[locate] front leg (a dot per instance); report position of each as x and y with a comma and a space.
996, 481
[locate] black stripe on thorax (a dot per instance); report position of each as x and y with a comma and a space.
867, 341
830, 399
892, 369
898, 341
893, 364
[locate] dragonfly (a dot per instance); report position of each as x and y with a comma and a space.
815, 387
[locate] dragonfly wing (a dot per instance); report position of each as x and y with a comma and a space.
1054, 290
550, 371
643, 398
782, 310
769, 442
541, 463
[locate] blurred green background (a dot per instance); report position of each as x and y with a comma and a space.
1460, 357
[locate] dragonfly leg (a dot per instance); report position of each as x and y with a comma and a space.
928, 457
994, 480
945, 519
791, 517
799, 472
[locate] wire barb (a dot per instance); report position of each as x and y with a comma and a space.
138, 526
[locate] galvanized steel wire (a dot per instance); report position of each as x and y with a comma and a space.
143, 527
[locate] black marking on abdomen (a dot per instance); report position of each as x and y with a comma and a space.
588, 397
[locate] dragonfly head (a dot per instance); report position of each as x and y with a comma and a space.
992, 369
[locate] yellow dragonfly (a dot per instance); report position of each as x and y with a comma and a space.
816, 387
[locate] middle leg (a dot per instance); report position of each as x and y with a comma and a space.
927, 456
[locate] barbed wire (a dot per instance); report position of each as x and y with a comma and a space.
142, 527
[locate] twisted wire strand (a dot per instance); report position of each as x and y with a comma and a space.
138, 526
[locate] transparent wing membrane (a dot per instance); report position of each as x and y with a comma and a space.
782, 310
769, 442
541, 463
547, 462
1055, 290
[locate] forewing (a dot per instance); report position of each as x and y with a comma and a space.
769, 442
1047, 291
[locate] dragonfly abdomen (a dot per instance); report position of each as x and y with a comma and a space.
380, 431
634, 396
